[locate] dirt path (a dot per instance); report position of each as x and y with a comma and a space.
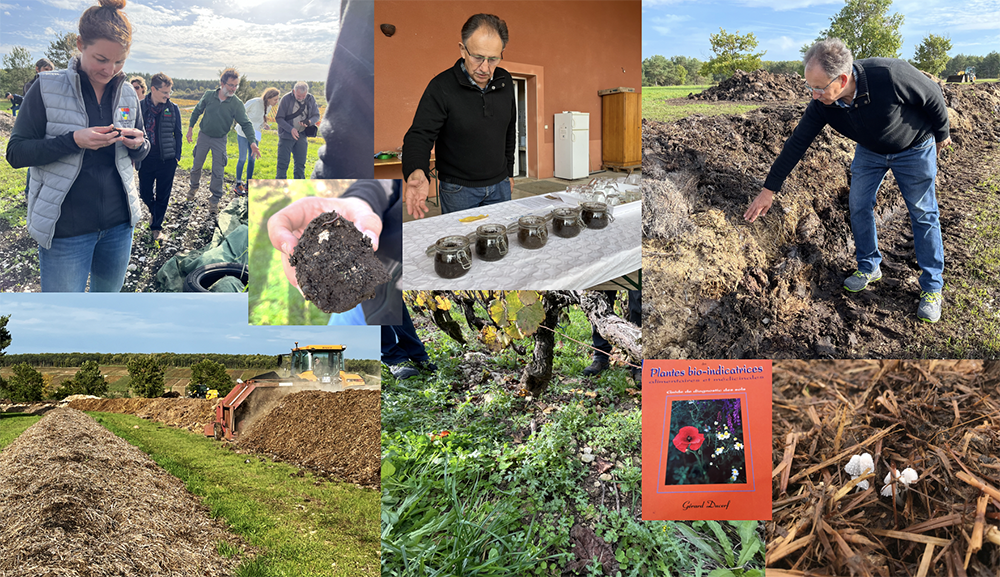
720, 288
77, 500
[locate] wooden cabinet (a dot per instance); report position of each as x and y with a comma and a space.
621, 130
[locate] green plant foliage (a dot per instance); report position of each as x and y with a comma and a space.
26, 385
932, 54
87, 381
211, 374
732, 53
146, 376
867, 29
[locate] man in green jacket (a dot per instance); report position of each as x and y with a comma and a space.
220, 108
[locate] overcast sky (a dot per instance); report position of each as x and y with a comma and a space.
682, 27
266, 39
160, 322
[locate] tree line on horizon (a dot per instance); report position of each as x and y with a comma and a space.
19, 67
864, 25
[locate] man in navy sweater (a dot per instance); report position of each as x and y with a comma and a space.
469, 113
899, 119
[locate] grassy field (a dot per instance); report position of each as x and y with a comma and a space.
12, 425
272, 299
304, 527
654, 106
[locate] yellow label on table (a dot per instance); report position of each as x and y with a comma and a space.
473, 218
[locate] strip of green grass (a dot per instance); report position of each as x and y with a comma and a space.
303, 528
655, 107
13, 424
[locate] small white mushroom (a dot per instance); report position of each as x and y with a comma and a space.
903, 479
859, 466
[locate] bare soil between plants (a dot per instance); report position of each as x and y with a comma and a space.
187, 224
717, 287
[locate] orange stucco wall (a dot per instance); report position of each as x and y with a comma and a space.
569, 50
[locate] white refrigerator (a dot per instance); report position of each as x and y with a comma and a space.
572, 145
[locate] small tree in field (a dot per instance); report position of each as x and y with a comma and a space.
932, 54
62, 50
867, 29
211, 374
87, 381
26, 385
146, 375
18, 68
732, 53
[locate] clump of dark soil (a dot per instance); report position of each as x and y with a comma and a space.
189, 414
77, 500
718, 287
333, 433
757, 86
335, 265
936, 417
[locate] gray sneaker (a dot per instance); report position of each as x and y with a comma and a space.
929, 309
191, 192
859, 281
403, 371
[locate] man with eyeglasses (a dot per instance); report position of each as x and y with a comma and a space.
467, 113
162, 120
899, 120
220, 108
297, 114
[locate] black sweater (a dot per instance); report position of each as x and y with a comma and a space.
475, 131
97, 199
386, 307
896, 107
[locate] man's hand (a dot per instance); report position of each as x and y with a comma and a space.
133, 138
288, 224
760, 205
942, 144
295, 133
415, 195
255, 151
190, 134
97, 137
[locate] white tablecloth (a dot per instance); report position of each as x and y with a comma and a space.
592, 257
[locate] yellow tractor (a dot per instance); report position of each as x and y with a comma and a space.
309, 367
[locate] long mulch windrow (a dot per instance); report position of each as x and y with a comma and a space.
940, 418
336, 434
77, 500
189, 414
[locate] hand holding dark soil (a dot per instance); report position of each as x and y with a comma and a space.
760, 205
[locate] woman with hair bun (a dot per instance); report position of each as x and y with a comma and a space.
80, 130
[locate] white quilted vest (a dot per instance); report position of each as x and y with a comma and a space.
65, 112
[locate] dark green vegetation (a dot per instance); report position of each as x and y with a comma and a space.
302, 525
477, 480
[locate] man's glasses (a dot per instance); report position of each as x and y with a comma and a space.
163, 91
232, 86
478, 60
820, 90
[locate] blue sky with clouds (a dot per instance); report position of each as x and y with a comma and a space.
150, 323
682, 27
266, 39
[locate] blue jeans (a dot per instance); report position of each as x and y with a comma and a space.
355, 316
245, 157
914, 169
103, 256
455, 197
401, 343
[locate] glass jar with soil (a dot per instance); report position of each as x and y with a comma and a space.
532, 232
566, 222
596, 214
491, 242
452, 256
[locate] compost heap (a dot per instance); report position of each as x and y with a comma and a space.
77, 500
332, 433
757, 86
718, 287
189, 414
940, 418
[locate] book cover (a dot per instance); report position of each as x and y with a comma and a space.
706, 440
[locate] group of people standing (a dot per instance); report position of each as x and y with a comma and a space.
86, 131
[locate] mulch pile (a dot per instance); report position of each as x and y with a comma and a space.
189, 414
773, 289
77, 500
940, 418
338, 434
757, 86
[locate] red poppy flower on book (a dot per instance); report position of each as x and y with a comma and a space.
688, 438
